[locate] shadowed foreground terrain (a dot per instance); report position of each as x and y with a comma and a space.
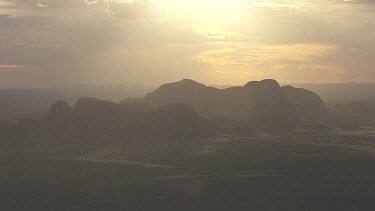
318, 171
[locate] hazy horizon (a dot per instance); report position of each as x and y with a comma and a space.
181, 105
82, 85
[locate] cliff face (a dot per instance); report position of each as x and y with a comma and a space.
256, 101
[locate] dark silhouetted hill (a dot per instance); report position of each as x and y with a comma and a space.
19, 103
94, 118
173, 121
256, 101
307, 104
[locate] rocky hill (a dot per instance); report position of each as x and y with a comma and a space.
256, 101
90, 117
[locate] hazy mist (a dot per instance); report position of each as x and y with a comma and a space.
195, 105
59, 43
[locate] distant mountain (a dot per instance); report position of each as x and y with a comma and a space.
18, 103
94, 118
256, 101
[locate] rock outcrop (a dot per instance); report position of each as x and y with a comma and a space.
256, 101
90, 117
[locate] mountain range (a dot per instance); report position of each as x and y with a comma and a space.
255, 101
91, 118
188, 109
19, 103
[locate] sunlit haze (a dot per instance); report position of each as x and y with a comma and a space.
187, 105
59, 43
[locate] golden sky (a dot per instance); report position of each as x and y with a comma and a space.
53, 43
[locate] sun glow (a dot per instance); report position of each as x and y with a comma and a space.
208, 17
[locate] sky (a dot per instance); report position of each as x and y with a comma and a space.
60, 43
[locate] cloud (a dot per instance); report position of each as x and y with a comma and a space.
244, 54
238, 62
10, 8
62, 42
126, 9
358, 1
69, 42
3, 66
